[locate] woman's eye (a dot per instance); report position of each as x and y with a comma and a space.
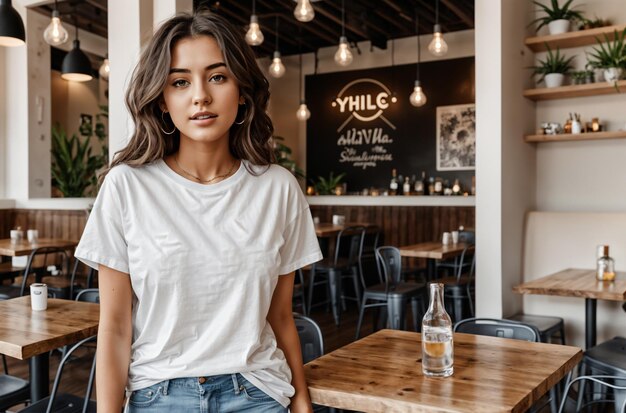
217, 78
180, 83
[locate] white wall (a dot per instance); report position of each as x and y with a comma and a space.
589, 175
284, 100
3, 164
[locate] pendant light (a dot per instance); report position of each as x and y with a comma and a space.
277, 68
105, 69
417, 98
304, 11
12, 31
55, 34
438, 46
303, 112
254, 36
343, 56
76, 65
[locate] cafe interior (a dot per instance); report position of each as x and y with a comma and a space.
452, 153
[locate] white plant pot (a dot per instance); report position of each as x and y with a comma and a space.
558, 26
613, 74
554, 79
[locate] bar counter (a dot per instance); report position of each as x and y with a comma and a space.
398, 200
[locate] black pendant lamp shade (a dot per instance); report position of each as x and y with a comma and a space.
11, 26
76, 65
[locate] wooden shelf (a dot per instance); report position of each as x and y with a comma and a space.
564, 137
572, 39
574, 91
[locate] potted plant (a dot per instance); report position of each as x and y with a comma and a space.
325, 186
554, 68
557, 18
610, 56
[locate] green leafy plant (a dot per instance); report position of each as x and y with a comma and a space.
325, 186
554, 63
587, 24
283, 156
556, 12
609, 53
73, 167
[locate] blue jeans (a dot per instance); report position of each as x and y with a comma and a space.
225, 393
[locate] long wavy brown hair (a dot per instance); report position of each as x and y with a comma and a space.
249, 140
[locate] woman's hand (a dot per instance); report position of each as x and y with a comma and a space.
301, 405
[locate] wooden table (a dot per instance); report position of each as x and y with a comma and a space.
25, 248
27, 334
383, 373
328, 230
579, 283
433, 251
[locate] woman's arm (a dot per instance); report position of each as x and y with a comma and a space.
280, 318
114, 339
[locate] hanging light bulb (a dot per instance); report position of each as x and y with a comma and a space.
417, 98
254, 36
438, 46
105, 69
303, 113
277, 68
343, 56
55, 34
304, 11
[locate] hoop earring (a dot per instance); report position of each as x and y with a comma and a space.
244, 117
160, 127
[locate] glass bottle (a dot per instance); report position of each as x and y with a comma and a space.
605, 269
406, 187
437, 341
393, 184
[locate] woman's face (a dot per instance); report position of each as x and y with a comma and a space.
201, 94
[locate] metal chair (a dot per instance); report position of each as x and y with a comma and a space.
298, 290
348, 249
91, 274
549, 327
67, 403
602, 381
13, 390
505, 329
392, 292
464, 261
311, 345
607, 358
459, 291
90, 295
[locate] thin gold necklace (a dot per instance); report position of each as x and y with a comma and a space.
208, 181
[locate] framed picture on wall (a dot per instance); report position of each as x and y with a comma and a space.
456, 137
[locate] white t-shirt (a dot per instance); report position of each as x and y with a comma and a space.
204, 261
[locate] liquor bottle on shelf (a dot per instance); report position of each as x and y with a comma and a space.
393, 185
456, 188
605, 268
400, 182
420, 185
447, 189
473, 185
406, 187
438, 186
431, 186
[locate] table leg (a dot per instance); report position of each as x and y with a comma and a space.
39, 376
431, 267
590, 322
334, 281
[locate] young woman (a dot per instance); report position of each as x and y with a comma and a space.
197, 235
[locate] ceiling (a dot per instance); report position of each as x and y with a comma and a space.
375, 20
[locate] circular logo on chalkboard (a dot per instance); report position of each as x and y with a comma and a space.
364, 99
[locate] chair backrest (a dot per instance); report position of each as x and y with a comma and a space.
372, 237
389, 262
90, 295
350, 240
62, 363
468, 237
90, 275
498, 328
602, 381
311, 339
60, 256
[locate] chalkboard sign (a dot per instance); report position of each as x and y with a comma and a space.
363, 125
